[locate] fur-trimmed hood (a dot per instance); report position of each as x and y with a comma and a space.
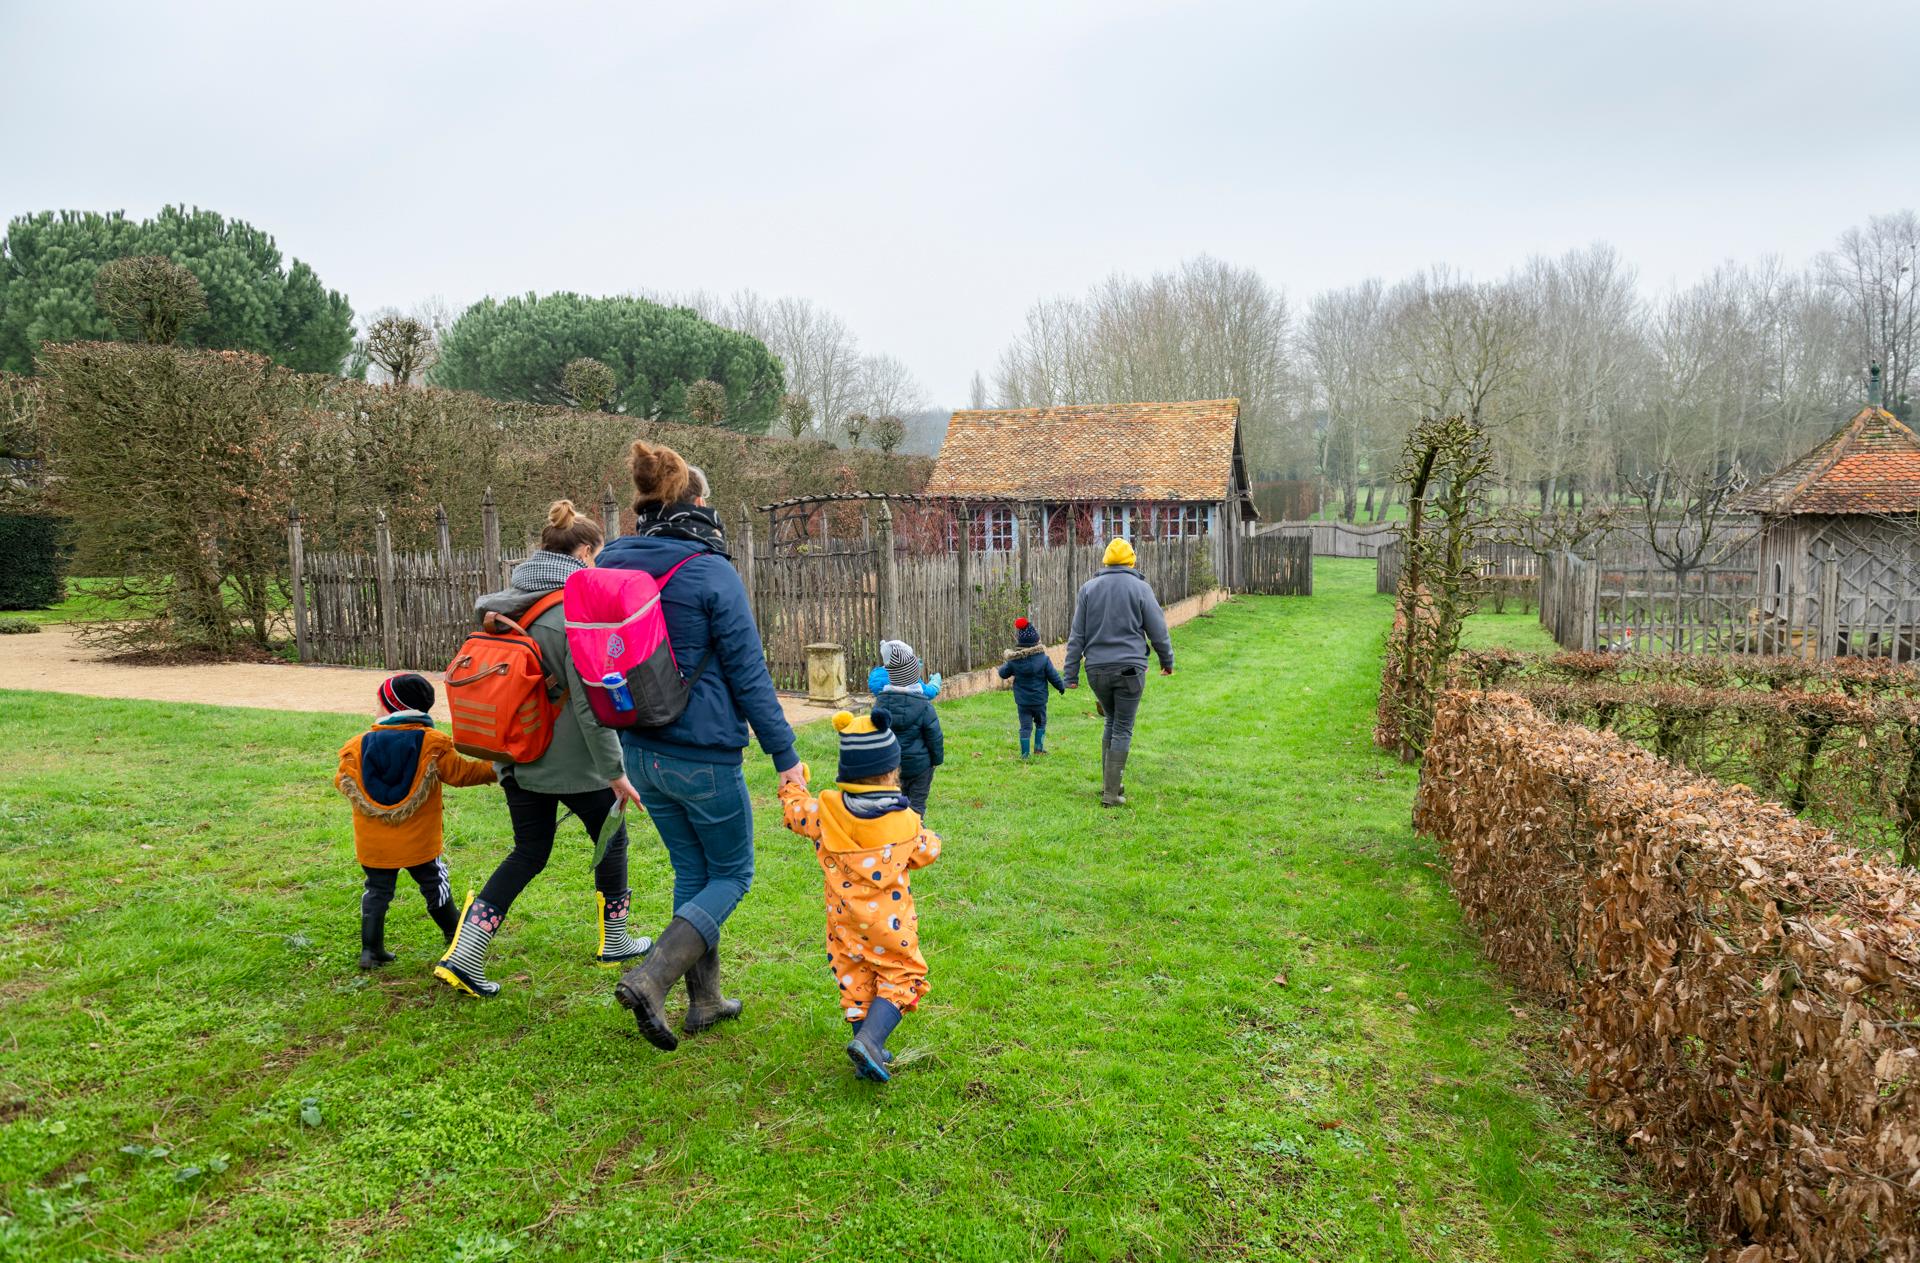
392, 775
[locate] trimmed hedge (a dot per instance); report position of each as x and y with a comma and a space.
1743, 994
33, 574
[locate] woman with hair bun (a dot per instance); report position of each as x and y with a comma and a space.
581, 770
688, 772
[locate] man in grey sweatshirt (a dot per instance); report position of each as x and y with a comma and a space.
1115, 618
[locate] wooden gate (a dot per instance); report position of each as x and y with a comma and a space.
1277, 565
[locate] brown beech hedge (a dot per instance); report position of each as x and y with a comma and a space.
1743, 992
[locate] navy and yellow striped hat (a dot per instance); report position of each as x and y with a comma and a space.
868, 748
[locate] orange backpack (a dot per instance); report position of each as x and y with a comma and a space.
503, 693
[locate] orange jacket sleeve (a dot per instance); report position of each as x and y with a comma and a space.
800, 810
459, 771
926, 851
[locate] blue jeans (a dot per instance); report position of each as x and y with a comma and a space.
706, 820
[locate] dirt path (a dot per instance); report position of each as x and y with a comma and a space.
54, 661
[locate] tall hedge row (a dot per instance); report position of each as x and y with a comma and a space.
32, 564
1742, 992
179, 468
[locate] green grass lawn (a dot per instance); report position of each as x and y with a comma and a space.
1237, 1020
1511, 630
86, 602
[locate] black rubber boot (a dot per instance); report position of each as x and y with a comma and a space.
644, 987
705, 1005
447, 917
867, 1050
373, 939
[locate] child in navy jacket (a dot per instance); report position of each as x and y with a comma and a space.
1031, 671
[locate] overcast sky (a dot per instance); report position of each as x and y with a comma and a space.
928, 171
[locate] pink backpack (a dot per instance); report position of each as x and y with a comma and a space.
617, 634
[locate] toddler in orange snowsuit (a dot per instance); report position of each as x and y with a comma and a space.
867, 838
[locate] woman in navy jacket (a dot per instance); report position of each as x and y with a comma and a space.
688, 773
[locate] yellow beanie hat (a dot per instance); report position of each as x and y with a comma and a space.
1119, 553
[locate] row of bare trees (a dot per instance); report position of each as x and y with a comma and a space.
835, 390
1589, 388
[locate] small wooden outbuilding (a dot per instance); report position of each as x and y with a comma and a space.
1839, 544
1138, 470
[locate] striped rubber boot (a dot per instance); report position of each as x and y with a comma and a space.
616, 945
464, 967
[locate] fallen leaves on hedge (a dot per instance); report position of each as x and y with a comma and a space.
1744, 992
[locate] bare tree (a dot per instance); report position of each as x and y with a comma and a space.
1343, 344
1206, 331
149, 297
402, 348
977, 392
706, 402
1876, 269
888, 433
888, 387
1687, 517
588, 383
796, 414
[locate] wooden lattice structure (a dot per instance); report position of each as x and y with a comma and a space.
1839, 543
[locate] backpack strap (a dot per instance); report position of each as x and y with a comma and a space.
713, 646
555, 689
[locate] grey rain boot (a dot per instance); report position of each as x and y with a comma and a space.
1112, 766
644, 987
705, 1005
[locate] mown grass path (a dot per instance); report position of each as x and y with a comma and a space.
1237, 1020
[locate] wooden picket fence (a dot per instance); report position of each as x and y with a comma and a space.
1609, 603
1338, 539
955, 609
409, 610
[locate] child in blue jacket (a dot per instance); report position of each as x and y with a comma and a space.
1031, 671
900, 687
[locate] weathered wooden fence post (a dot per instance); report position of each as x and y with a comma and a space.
449, 595
389, 607
1829, 645
609, 513
963, 563
888, 572
297, 561
1023, 524
489, 543
747, 577
1073, 551
1587, 607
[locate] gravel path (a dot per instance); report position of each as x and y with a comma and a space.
54, 661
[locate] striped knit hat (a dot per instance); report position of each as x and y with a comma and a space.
902, 663
868, 748
1025, 634
406, 692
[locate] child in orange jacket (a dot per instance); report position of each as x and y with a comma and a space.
867, 837
392, 774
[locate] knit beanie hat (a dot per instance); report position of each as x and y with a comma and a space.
902, 663
868, 748
1119, 553
406, 692
1025, 634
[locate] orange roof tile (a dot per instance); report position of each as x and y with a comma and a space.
1870, 465
1105, 451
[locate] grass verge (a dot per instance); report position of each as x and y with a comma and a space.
1239, 1019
